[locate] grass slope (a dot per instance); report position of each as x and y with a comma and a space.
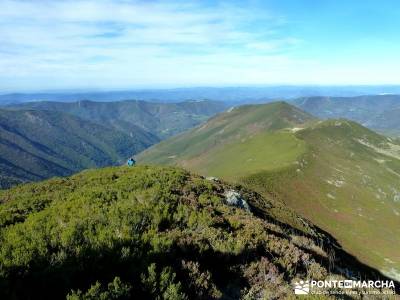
264, 151
348, 183
239, 124
154, 233
39, 144
340, 175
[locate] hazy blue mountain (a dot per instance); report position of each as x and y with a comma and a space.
244, 94
40, 144
159, 119
387, 121
379, 112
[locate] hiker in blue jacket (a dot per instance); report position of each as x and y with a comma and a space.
131, 162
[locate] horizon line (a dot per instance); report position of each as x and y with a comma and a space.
177, 87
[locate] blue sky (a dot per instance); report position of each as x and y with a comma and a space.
116, 44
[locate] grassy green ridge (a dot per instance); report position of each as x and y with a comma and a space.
238, 124
338, 174
245, 128
348, 188
154, 233
39, 144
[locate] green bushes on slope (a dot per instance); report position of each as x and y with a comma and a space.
147, 233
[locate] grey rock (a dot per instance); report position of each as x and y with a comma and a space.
215, 179
234, 198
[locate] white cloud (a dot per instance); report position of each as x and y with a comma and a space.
61, 44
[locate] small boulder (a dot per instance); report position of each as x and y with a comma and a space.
215, 179
233, 198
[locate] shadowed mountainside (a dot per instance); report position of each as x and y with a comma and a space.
35, 145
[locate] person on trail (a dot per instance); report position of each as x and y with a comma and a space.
131, 162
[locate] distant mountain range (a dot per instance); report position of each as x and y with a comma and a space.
338, 174
372, 106
44, 139
244, 94
378, 112
387, 122
157, 119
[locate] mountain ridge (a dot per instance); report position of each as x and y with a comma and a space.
249, 119
336, 173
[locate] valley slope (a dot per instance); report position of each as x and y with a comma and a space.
39, 140
35, 145
338, 174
